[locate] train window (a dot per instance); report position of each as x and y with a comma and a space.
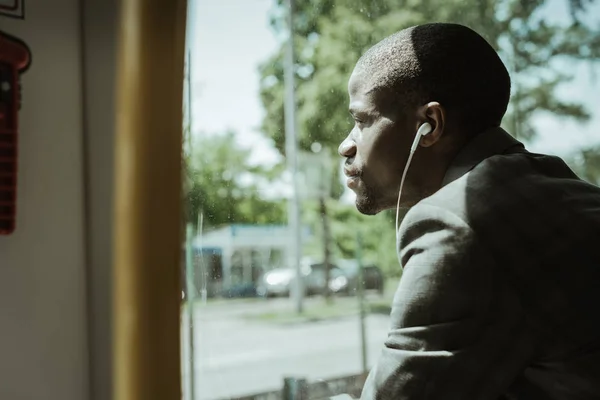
288, 287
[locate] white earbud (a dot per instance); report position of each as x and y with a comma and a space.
423, 130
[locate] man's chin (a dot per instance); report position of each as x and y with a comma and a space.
366, 205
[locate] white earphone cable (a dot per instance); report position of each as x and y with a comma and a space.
410, 156
423, 130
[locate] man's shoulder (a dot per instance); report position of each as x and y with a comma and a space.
510, 182
521, 207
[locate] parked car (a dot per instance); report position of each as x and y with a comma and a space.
315, 279
276, 282
373, 276
279, 281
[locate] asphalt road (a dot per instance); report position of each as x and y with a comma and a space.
235, 356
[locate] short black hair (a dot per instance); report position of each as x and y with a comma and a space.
443, 62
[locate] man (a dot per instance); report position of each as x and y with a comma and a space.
501, 248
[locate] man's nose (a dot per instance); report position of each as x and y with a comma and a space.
347, 148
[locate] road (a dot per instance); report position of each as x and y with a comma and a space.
235, 356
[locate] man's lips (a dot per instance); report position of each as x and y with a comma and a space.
352, 181
350, 173
353, 177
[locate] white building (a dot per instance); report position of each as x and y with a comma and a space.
239, 254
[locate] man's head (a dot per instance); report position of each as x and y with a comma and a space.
444, 74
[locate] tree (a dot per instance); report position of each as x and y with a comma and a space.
378, 235
586, 164
221, 184
535, 52
331, 36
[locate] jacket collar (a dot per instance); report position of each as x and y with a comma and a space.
487, 144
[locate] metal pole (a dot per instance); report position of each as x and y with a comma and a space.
190, 289
204, 288
326, 247
361, 300
189, 104
189, 259
295, 389
291, 150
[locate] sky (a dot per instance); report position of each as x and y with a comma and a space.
229, 38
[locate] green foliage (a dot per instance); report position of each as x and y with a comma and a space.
221, 184
331, 36
586, 164
378, 237
537, 53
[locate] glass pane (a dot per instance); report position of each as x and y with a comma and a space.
277, 305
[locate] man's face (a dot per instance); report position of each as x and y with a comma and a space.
377, 148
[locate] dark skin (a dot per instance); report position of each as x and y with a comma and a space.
377, 148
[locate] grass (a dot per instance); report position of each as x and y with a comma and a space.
228, 301
316, 309
222, 301
380, 307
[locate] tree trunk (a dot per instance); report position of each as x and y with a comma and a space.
326, 246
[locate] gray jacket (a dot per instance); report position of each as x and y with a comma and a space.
500, 289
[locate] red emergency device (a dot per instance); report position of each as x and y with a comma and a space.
15, 58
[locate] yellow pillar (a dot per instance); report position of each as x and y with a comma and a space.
148, 200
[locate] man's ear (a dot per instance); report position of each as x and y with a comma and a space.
435, 114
